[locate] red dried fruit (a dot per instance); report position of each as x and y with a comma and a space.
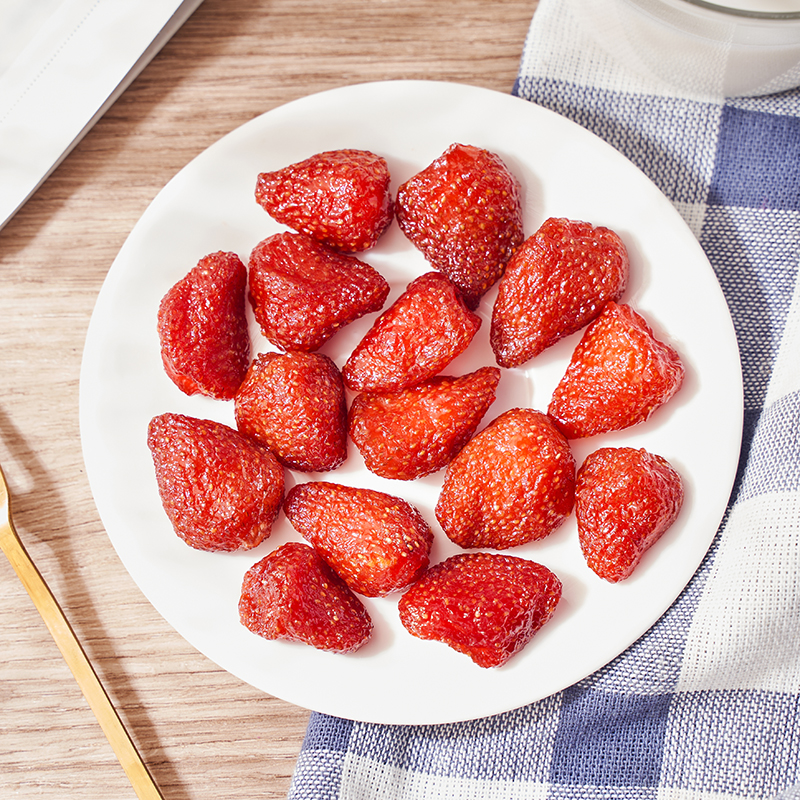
512, 483
485, 605
293, 594
376, 542
202, 328
414, 339
294, 403
555, 284
618, 376
625, 500
302, 292
464, 213
408, 434
340, 198
220, 490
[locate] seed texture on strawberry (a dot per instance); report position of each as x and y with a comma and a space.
292, 594
513, 483
220, 490
408, 434
294, 403
618, 376
414, 339
340, 198
485, 605
302, 292
464, 213
625, 500
202, 328
376, 542
555, 284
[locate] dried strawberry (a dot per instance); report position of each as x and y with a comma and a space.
408, 434
340, 198
220, 490
464, 213
293, 594
512, 483
202, 327
554, 285
376, 542
294, 403
618, 376
302, 292
625, 500
414, 339
485, 605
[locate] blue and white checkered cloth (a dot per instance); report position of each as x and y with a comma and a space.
707, 704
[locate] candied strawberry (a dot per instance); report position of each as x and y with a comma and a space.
294, 403
618, 376
376, 542
405, 435
513, 483
302, 292
485, 605
464, 213
293, 594
414, 339
220, 490
555, 284
340, 198
625, 500
202, 327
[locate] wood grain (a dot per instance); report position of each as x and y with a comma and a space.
73, 653
202, 732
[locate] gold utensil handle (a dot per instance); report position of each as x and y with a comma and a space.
84, 673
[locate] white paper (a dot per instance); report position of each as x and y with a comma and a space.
62, 64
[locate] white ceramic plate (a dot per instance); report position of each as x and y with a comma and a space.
565, 171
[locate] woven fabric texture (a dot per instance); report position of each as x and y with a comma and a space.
706, 705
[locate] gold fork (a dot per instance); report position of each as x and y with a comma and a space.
73, 653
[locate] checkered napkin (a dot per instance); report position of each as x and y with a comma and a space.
706, 704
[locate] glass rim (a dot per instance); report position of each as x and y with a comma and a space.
744, 12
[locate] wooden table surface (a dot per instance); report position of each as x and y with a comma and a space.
202, 732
